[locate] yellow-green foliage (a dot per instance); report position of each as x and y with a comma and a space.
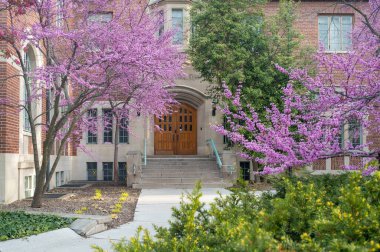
81, 211
117, 208
98, 194
336, 213
123, 197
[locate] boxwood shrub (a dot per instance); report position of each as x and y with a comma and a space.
340, 213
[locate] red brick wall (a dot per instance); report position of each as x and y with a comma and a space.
9, 116
307, 25
307, 16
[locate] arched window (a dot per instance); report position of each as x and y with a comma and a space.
30, 65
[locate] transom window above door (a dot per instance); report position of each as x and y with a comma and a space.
334, 32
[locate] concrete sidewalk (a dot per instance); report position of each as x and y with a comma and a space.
153, 207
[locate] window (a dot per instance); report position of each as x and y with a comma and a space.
59, 14
161, 28
92, 171
62, 177
226, 140
340, 137
355, 133
100, 17
107, 171
92, 134
123, 131
245, 171
64, 110
122, 171
30, 185
335, 32
177, 24
57, 179
28, 66
107, 126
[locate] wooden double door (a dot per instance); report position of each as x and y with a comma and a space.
177, 134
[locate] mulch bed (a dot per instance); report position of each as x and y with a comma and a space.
79, 199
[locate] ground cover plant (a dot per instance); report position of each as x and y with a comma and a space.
20, 224
304, 216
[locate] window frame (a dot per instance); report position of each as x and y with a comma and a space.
107, 132
29, 186
123, 131
108, 167
122, 166
28, 65
57, 179
329, 22
161, 28
59, 15
182, 30
354, 125
93, 136
92, 166
100, 14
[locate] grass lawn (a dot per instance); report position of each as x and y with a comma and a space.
20, 224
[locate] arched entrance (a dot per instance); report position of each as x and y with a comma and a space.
178, 134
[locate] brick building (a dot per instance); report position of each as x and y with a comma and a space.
186, 132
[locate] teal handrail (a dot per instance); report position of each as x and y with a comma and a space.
216, 153
144, 151
229, 168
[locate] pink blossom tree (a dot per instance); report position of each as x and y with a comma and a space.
346, 89
92, 51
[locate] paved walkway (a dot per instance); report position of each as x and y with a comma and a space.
154, 207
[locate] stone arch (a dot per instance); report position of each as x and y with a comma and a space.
30, 57
191, 96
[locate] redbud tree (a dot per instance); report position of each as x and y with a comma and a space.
345, 90
91, 51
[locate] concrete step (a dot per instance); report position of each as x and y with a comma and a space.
156, 174
178, 157
180, 185
192, 180
179, 169
178, 163
180, 172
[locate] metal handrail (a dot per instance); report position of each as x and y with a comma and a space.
230, 168
216, 153
144, 155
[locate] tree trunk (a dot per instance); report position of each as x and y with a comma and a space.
39, 191
116, 152
290, 172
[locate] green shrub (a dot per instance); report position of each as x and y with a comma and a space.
324, 213
20, 224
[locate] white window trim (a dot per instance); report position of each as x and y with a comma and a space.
327, 50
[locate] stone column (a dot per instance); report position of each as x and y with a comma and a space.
134, 168
230, 169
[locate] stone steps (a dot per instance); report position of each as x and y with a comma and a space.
180, 172
180, 185
199, 175
180, 180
